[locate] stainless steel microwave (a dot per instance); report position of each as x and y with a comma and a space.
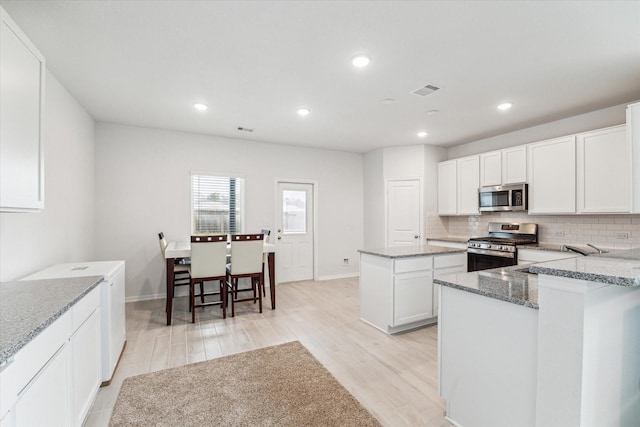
503, 198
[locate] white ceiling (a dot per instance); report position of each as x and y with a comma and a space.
145, 63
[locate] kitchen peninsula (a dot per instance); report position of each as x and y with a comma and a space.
396, 284
554, 344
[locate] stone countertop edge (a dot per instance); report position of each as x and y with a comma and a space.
19, 326
610, 279
411, 251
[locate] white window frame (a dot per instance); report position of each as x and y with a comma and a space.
239, 200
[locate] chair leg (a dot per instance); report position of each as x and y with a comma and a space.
223, 297
264, 288
192, 301
202, 293
259, 283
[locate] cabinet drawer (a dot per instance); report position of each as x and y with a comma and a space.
453, 260
83, 308
413, 264
30, 359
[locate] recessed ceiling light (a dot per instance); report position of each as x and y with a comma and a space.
361, 60
303, 111
200, 106
432, 112
422, 134
388, 101
505, 106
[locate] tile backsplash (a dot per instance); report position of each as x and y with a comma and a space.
608, 231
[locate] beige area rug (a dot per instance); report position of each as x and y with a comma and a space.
283, 385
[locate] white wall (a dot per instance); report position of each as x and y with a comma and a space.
584, 122
142, 178
432, 156
374, 200
64, 230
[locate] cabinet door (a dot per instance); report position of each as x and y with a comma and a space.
22, 72
468, 182
447, 191
85, 367
633, 137
552, 176
604, 171
412, 297
45, 400
514, 165
490, 169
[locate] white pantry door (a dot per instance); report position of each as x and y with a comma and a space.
403, 212
294, 231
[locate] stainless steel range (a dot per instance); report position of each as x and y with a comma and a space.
499, 248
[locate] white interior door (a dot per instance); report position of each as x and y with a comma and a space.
294, 231
403, 212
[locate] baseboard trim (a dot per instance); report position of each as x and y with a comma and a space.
338, 276
145, 298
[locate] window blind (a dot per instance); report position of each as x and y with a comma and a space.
217, 204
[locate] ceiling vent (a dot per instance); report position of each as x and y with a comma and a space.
242, 129
424, 91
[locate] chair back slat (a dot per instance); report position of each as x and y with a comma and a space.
163, 243
246, 253
208, 256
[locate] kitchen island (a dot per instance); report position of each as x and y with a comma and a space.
396, 284
554, 344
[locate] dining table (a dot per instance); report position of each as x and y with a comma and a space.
182, 249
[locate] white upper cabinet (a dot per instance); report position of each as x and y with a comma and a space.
514, 165
458, 182
633, 138
552, 176
508, 166
468, 175
22, 70
490, 169
603, 171
447, 188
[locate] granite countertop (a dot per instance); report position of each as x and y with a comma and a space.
411, 251
620, 268
519, 284
28, 307
510, 284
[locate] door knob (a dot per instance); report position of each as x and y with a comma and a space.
416, 236
279, 237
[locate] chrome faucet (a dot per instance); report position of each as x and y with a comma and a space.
600, 251
567, 248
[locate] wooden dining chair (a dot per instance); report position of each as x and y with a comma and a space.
181, 275
246, 262
208, 264
267, 234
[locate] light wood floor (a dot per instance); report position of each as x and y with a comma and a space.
394, 377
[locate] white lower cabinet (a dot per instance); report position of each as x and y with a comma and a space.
85, 366
54, 379
46, 399
412, 297
397, 294
446, 264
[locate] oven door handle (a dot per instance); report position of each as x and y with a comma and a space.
489, 252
